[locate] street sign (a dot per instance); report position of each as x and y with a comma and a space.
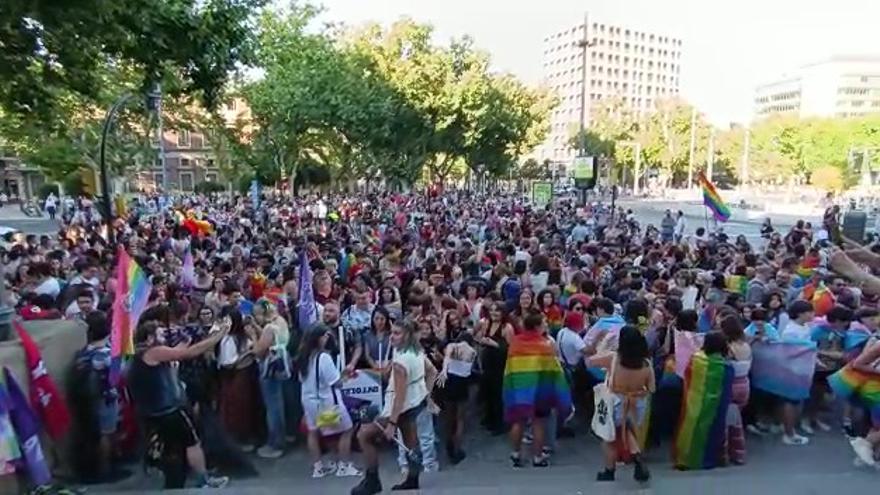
542, 193
585, 172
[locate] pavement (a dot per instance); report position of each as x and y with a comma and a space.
11, 216
823, 467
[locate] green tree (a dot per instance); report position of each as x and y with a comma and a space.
56, 49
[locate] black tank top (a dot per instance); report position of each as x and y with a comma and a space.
156, 389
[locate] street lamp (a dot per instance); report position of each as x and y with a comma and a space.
153, 99
584, 44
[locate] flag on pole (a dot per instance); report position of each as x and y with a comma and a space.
713, 200
45, 398
27, 429
132, 294
307, 313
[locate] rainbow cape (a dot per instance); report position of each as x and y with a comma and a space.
784, 369
713, 200
533, 379
702, 425
850, 383
132, 294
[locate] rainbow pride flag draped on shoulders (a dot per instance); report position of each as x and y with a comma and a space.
784, 369
533, 379
850, 383
132, 294
702, 425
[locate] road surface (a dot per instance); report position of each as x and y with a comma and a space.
823, 467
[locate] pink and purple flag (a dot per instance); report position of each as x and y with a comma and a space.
27, 428
686, 345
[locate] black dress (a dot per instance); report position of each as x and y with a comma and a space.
492, 379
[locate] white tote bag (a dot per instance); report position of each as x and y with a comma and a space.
603, 407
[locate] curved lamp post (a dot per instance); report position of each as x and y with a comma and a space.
153, 99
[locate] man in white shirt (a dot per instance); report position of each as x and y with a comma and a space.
680, 226
800, 313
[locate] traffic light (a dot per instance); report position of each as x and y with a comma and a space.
89, 181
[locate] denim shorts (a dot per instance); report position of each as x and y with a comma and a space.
108, 417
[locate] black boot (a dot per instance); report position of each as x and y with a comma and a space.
410, 483
606, 475
370, 485
641, 473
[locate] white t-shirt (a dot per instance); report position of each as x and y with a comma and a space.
416, 388
796, 331
320, 391
571, 346
689, 297
49, 286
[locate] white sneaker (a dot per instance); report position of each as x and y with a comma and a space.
332, 465
319, 470
807, 428
795, 439
269, 452
755, 430
823, 426
347, 469
432, 468
864, 450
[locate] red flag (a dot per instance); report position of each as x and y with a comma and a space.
45, 398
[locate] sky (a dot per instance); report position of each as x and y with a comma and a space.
729, 46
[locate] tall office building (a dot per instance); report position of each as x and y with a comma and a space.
841, 86
634, 65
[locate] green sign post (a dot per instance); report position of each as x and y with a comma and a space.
585, 172
542, 193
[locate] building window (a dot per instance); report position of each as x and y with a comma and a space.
158, 179
183, 139
186, 181
211, 177
158, 163
185, 163
858, 103
210, 163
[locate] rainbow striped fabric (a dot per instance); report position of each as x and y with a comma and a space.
784, 369
699, 438
713, 200
533, 379
132, 294
849, 383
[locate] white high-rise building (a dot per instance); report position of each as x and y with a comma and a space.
841, 86
634, 65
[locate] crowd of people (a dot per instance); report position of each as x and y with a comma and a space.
541, 321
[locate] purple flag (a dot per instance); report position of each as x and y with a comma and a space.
307, 312
784, 369
27, 428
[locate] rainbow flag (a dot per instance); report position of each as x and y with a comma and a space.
702, 425
784, 369
849, 383
533, 379
737, 284
713, 200
132, 294
188, 271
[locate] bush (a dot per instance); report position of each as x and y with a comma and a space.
46, 189
208, 187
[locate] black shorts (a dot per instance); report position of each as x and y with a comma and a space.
176, 429
457, 389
